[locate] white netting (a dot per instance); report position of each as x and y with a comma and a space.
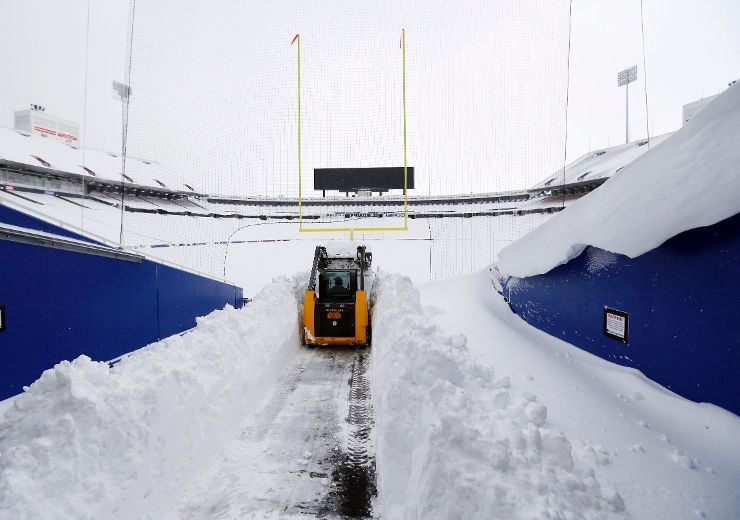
214, 108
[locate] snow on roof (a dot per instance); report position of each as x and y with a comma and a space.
601, 163
36, 150
690, 180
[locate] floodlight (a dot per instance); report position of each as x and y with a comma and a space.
624, 78
121, 91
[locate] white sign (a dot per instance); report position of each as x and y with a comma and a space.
615, 324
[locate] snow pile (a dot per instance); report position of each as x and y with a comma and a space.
600, 163
453, 442
690, 180
89, 442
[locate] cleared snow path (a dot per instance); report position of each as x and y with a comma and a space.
307, 452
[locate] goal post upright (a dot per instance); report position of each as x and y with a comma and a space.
297, 38
405, 164
353, 229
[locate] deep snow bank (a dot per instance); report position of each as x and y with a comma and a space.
690, 180
89, 442
453, 442
670, 458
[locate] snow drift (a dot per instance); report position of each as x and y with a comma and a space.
690, 180
88, 442
454, 442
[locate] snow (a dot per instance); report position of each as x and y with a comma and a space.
291, 457
477, 415
453, 441
666, 456
86, 441
107, 165
235, 248
457, 246
599, 164
690, 180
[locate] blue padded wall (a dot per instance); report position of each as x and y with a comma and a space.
60, 304
183, 296
683, 300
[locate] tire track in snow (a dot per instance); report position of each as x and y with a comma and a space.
307, 452
354, 467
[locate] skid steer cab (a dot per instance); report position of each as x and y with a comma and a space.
335, 309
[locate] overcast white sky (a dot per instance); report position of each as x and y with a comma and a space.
43, 61
692, 46
692, 49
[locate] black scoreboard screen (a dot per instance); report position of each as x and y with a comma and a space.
354, 179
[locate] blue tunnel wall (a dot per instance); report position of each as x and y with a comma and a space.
59, 304
683, 302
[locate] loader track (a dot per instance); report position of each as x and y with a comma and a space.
353, 475
306, 453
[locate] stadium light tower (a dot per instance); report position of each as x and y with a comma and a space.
121, 91
624, 78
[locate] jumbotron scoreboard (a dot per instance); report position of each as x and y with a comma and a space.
352, 180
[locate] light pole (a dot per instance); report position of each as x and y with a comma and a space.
625, 77
122, 92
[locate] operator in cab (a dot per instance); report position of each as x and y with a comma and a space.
338, 287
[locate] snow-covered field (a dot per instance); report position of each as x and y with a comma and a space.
431, 249
477, 415
474, 413
459, 410
234, 248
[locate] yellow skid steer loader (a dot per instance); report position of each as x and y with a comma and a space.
335, 309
